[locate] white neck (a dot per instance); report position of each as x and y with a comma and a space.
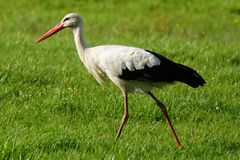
81, 45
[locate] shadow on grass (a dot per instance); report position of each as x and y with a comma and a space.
235, 11
62, 144
226, 146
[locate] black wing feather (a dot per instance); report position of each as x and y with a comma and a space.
167, 71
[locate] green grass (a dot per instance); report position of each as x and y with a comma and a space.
51, 108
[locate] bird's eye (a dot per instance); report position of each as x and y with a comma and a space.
66, 19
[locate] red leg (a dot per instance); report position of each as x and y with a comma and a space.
165, 113
125, 116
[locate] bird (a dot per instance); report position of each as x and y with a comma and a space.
129, 68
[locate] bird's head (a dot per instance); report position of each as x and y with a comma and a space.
71, 20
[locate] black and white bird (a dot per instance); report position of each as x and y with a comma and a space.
130, 68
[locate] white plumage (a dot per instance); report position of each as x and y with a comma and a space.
130, 68
110, 60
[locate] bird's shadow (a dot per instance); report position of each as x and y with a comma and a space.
235, 11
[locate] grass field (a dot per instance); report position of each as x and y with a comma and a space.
51, 108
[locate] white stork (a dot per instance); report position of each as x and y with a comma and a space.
130, 68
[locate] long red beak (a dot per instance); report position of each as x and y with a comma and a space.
51, 32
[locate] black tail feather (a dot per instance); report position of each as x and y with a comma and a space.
187, 75
177, 72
